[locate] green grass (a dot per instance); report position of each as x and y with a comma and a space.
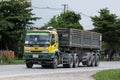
108, 75
12, 62
114, 59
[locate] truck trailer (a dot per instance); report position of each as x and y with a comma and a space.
62, 46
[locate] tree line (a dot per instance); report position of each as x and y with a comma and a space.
16, 18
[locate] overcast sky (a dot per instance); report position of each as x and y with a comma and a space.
85, 7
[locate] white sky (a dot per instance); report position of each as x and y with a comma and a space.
87, 7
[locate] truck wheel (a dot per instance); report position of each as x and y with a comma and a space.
55, 62
97, 60
70, 64
89, 62
29, 64
76, 62
93, 61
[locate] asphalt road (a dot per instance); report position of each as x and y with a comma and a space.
7, 71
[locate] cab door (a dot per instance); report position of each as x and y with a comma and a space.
54, 42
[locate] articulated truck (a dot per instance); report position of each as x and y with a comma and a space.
62, 46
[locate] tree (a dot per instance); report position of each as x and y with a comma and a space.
108, 24
68, 19
15, 17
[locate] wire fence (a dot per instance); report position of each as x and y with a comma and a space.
6, 55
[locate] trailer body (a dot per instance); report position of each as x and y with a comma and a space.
79, 38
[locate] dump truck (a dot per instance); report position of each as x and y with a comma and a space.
62, 46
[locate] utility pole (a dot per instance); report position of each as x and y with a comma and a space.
65, 7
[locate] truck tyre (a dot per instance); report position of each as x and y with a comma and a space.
29, 64
55, 62
70, 64
76, 61
97, 60
89, 62
93, 61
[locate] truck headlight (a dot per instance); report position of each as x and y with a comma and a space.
27, 49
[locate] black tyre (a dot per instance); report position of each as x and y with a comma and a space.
76, 62
89, 62
29, 64
70, 64
93, 61
55, 62
97, 60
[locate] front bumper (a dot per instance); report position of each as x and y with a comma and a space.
39, 57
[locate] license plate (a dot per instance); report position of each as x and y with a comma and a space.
35, 55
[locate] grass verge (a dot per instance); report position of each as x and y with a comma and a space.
12, 62
108, 75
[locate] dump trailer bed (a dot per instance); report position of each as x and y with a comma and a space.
79, 38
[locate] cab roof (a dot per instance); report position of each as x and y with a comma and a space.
50, 31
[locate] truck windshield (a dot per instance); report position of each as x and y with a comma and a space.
37, 38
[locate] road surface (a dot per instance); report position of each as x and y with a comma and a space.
20, 72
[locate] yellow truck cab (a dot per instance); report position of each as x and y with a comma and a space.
41, 47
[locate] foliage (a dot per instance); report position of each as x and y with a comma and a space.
15, 17
109, 25
108, 75
68, 19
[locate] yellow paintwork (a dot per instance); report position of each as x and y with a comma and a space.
37, 50
53, 48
